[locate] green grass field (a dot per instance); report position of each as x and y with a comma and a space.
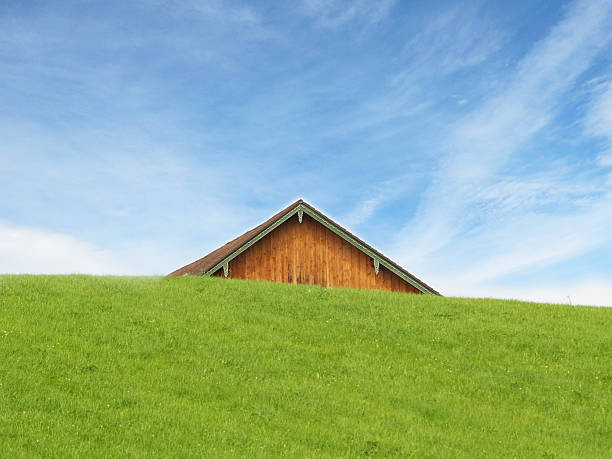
102, 366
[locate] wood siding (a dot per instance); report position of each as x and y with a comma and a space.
309, 253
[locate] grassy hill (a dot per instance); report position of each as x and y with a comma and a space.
100, 366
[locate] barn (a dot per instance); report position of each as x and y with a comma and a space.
301, 245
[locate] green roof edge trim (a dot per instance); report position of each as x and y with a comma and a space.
332, 227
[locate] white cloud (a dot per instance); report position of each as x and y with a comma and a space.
36, 251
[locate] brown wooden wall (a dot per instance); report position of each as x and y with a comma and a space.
309, 253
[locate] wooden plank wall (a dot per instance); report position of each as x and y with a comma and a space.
309, 253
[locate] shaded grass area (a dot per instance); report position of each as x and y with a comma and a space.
109, 366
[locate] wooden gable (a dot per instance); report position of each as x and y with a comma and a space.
310, 253
300, 245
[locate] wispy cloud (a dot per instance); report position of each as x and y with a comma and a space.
409, 90
378, 194
217, 10
226, 11
336, 13
482, 142
444, 43
598, 121
455, 39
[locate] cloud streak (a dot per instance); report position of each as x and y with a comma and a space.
336, 13
481, 143
598, 121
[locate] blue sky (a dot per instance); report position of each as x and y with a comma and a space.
471, 143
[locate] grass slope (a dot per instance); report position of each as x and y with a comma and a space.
94, 366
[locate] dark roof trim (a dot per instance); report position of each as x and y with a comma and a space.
301, 206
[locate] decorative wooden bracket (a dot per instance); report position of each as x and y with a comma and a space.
300, 214
225, 269
376, 265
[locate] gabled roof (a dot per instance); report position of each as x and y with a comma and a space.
216, 259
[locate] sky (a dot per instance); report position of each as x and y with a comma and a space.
470, 143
